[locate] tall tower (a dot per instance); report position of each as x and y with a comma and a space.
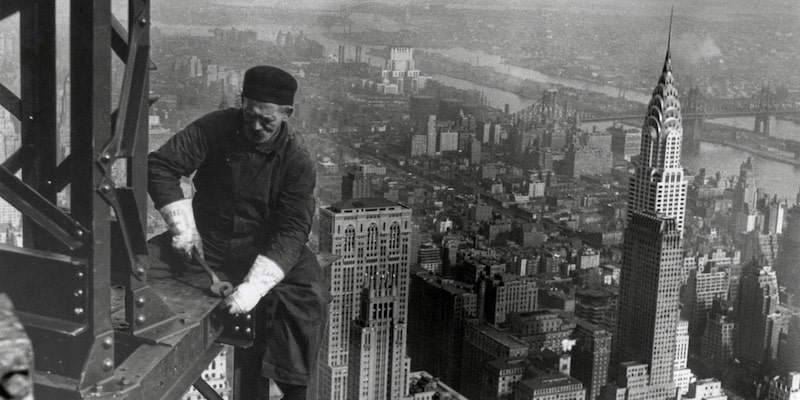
652, 256
372, 236
658, 185
379, 366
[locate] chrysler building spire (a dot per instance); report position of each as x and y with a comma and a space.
658, 185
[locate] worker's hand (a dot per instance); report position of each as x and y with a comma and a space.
262, 277
179, 216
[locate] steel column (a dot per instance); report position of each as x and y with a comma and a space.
38, 108
90, 69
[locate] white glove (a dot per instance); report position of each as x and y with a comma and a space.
263, 276
180, 219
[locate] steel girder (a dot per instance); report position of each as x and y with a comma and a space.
156, 343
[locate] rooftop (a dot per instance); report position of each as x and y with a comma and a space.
370, 202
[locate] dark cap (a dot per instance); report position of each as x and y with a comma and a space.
269, 85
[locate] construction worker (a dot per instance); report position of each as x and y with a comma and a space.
250, 217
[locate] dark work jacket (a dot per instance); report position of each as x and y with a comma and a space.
253, 200
250, 199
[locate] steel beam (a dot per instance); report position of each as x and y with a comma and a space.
40, 211
38, 109
10, 101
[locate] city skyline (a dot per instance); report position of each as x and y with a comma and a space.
517, 212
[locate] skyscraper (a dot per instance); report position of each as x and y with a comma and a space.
758, 318
658, 185
590, 357
653, 247
372, 236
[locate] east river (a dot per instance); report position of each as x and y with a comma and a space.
773, 176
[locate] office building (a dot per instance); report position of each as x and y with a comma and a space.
424, 386
400, 71
438, 310
719, 335
652, 252
626, 142
682, 375
552, 386
703, 286
706, 389
507, 293
484, 343
757, 314
785, 387
591, 356
372, 236
379, 367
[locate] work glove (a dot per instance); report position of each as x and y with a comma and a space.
264, 274
180, 219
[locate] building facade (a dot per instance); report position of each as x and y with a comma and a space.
652, 257
372, 236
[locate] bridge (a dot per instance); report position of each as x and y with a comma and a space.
696, 107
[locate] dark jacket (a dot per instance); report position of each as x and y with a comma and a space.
254, 200
249, 199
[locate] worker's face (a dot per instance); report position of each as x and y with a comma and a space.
262, 121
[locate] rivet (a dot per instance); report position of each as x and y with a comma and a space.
248, 317
80, 274
124, 381
105, 188
30, 117
49, 183
143, 21
140, 319
236, 328
78, 311
139, 270
105, 158
108, 364
78, 293
247, 331
107, 342
78, 232
98, 387
140, 301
